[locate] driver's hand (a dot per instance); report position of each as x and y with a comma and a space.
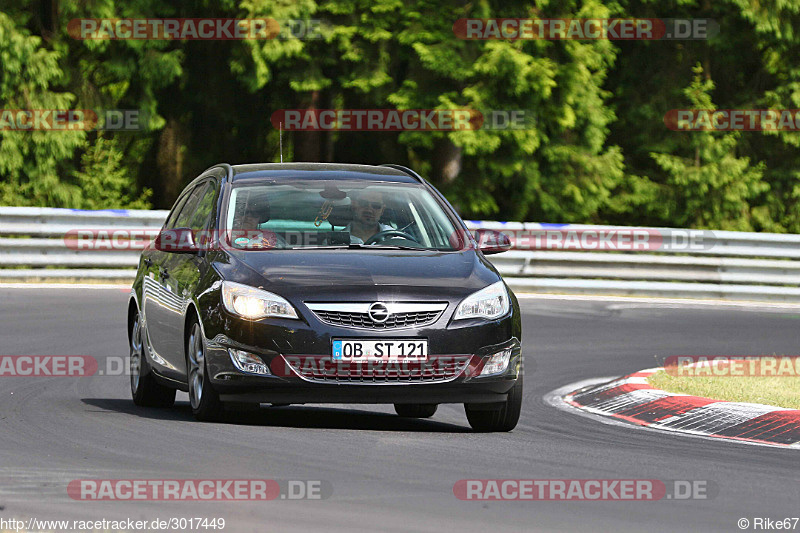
257, 239
261, 243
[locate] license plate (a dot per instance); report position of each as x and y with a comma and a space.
380, 349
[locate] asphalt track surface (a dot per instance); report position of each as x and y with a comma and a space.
387, 473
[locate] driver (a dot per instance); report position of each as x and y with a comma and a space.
368, 208
246, 227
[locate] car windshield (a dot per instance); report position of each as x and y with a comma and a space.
288, 214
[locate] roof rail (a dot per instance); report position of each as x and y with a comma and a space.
405, 170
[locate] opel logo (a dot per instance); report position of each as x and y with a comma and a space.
378, 312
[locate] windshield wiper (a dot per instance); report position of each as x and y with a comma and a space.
395, 247
359, 246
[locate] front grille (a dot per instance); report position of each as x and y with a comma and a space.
362, 320
326, 370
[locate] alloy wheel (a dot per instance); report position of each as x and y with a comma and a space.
136, 354
196, 366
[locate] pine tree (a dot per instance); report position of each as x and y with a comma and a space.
710, 187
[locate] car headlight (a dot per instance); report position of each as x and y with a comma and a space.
489, 302
251, 303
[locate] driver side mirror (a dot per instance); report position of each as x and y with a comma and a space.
491, 241
178, 240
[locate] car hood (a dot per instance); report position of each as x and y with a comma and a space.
361, 275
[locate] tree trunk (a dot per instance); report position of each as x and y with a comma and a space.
308, 144
170, 160
446, 161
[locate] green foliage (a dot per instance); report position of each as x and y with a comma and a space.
31, 161
104, 182
712, 188
595, 148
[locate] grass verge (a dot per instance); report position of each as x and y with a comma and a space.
779, 391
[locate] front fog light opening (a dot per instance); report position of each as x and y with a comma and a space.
497, 363
248, 362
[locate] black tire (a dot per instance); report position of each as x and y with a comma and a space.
415, 410
145, 390
503, 419
205, 402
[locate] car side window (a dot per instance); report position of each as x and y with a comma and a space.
205, 205
185, 216
176, 210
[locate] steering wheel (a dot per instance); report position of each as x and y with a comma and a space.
383, 235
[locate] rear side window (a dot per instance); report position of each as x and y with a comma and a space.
202, 213
184, 218
176, 211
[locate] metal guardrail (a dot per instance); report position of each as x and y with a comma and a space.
731, 265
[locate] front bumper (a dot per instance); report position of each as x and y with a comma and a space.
441, 393
462, 350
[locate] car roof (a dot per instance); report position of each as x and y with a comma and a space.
321, 171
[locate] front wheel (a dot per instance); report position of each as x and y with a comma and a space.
415, 410
206, 405
503, 419
145, 390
